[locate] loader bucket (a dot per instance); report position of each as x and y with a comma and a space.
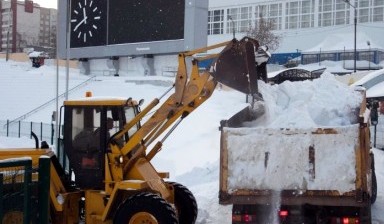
235, 66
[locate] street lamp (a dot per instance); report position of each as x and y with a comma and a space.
355, 23
369, 55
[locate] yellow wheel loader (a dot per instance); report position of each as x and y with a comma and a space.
104, 172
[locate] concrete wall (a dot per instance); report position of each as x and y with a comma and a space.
23, 57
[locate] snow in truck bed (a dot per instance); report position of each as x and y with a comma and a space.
294, 110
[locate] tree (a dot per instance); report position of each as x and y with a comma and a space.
262, 31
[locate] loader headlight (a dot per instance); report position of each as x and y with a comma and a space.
119, 159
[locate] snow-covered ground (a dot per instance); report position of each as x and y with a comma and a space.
190, 154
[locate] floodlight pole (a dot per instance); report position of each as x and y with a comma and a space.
68, 47
233, 26
355, 24
369, 55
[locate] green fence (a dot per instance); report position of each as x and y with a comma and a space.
24, 191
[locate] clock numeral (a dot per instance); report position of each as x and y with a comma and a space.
80, 5
90, 4
76, 12
85, 37
96, 17
94, 26
90, 33
95, 9
73, 20
85, 2
78, 36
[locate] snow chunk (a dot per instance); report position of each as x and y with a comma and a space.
320, 102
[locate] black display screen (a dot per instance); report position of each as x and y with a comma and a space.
133, 21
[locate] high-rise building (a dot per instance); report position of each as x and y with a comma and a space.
26, 24
48, 22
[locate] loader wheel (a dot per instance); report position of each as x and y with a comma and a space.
145, 208
185, 203
374, 187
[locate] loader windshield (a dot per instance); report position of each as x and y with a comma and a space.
89, 130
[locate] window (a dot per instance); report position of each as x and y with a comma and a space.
341, 18
271, 13
215, 22
364, 15
307, 14
341, 13
377, 15
326, 12
363, 3
299, 14
239, 19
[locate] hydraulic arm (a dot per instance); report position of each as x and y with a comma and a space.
234, 66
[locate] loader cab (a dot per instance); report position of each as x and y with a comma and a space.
88, 127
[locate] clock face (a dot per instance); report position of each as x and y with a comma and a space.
88, 23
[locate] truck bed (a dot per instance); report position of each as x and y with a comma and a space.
321, 165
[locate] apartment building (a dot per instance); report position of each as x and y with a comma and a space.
26, 24
302, 24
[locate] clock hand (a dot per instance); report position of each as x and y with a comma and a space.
81, 22
85, 16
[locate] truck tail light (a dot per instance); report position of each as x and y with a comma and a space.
236, 218
345, 220
349, 220
246, 218
243, 218
283, 213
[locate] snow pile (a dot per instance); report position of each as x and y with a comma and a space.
22, 142
305, 140
321, 102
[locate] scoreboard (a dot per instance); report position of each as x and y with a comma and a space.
108, 28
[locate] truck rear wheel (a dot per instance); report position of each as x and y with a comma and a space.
374, 187
373, 181
365, 214
185, 204
145, 208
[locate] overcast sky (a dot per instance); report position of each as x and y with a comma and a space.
47, 3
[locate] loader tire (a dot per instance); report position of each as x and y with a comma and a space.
145, 208
185, 203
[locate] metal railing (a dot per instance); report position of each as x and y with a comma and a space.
24, 116
44, 131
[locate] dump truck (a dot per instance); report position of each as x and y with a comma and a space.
288, 175
102, 173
